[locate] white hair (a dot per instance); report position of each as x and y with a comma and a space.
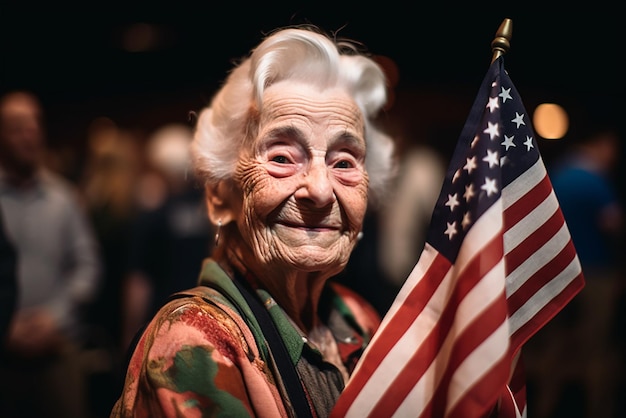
298, 54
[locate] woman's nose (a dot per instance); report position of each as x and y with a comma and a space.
316, 185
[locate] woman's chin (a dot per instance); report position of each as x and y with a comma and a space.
312, 258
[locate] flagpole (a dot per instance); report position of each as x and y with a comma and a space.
502, 42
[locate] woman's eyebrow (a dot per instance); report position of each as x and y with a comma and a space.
347, 138
285, 131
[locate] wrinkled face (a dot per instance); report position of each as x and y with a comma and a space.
304, 182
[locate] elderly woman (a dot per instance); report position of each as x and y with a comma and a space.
288, 154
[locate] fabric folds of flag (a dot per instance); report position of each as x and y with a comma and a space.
498, 264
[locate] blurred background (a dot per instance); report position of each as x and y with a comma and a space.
145, 63
112, 76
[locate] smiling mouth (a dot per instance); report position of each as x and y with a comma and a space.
315, 228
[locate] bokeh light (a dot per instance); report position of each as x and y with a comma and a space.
550, 121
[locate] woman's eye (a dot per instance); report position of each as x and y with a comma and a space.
343, 164
280, 159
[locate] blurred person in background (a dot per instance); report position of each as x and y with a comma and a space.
171, 233
582, 338
58, 272
404, 223
108, 185
8, 280
584, 181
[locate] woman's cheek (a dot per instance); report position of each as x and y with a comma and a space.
355, 200
257, 186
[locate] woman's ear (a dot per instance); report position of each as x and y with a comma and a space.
222, 202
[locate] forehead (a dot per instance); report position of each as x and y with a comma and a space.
296, 101
19, 107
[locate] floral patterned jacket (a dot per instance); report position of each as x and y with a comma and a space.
204, 355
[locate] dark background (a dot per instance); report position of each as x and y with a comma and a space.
73, 56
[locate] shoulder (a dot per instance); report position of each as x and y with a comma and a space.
54, 180
195, 355
200, 317
62, 190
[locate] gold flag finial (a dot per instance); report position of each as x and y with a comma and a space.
502, 42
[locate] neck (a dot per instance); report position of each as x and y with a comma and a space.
19, 176
296, 292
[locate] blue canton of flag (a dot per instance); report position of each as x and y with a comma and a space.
485, 161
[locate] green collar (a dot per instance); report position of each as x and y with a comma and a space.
214, 276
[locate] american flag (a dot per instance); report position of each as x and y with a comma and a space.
498, 264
